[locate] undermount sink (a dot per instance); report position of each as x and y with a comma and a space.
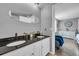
40, 36
16, 43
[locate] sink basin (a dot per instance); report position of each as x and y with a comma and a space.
40, 36
16, 43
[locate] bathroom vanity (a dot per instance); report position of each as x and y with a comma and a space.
35, 47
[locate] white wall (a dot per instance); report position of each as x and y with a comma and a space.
48, 24
53, 31
9, 26
78, 25
46, 20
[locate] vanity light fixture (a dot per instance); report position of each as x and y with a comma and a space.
37, 4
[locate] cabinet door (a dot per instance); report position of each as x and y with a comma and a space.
37, 48
45, 46
24, 51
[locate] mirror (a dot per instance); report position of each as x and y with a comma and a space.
26, 18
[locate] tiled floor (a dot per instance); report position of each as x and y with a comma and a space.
69, 48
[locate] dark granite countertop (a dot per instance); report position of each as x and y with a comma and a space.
4, 49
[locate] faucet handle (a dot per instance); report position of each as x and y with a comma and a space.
16, 34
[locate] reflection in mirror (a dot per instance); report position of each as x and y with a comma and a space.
28, 19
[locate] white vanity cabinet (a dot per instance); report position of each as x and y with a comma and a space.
24, 51
45, 46
39, 48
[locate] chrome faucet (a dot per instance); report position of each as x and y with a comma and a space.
16, 35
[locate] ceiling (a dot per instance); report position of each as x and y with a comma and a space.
65, 11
